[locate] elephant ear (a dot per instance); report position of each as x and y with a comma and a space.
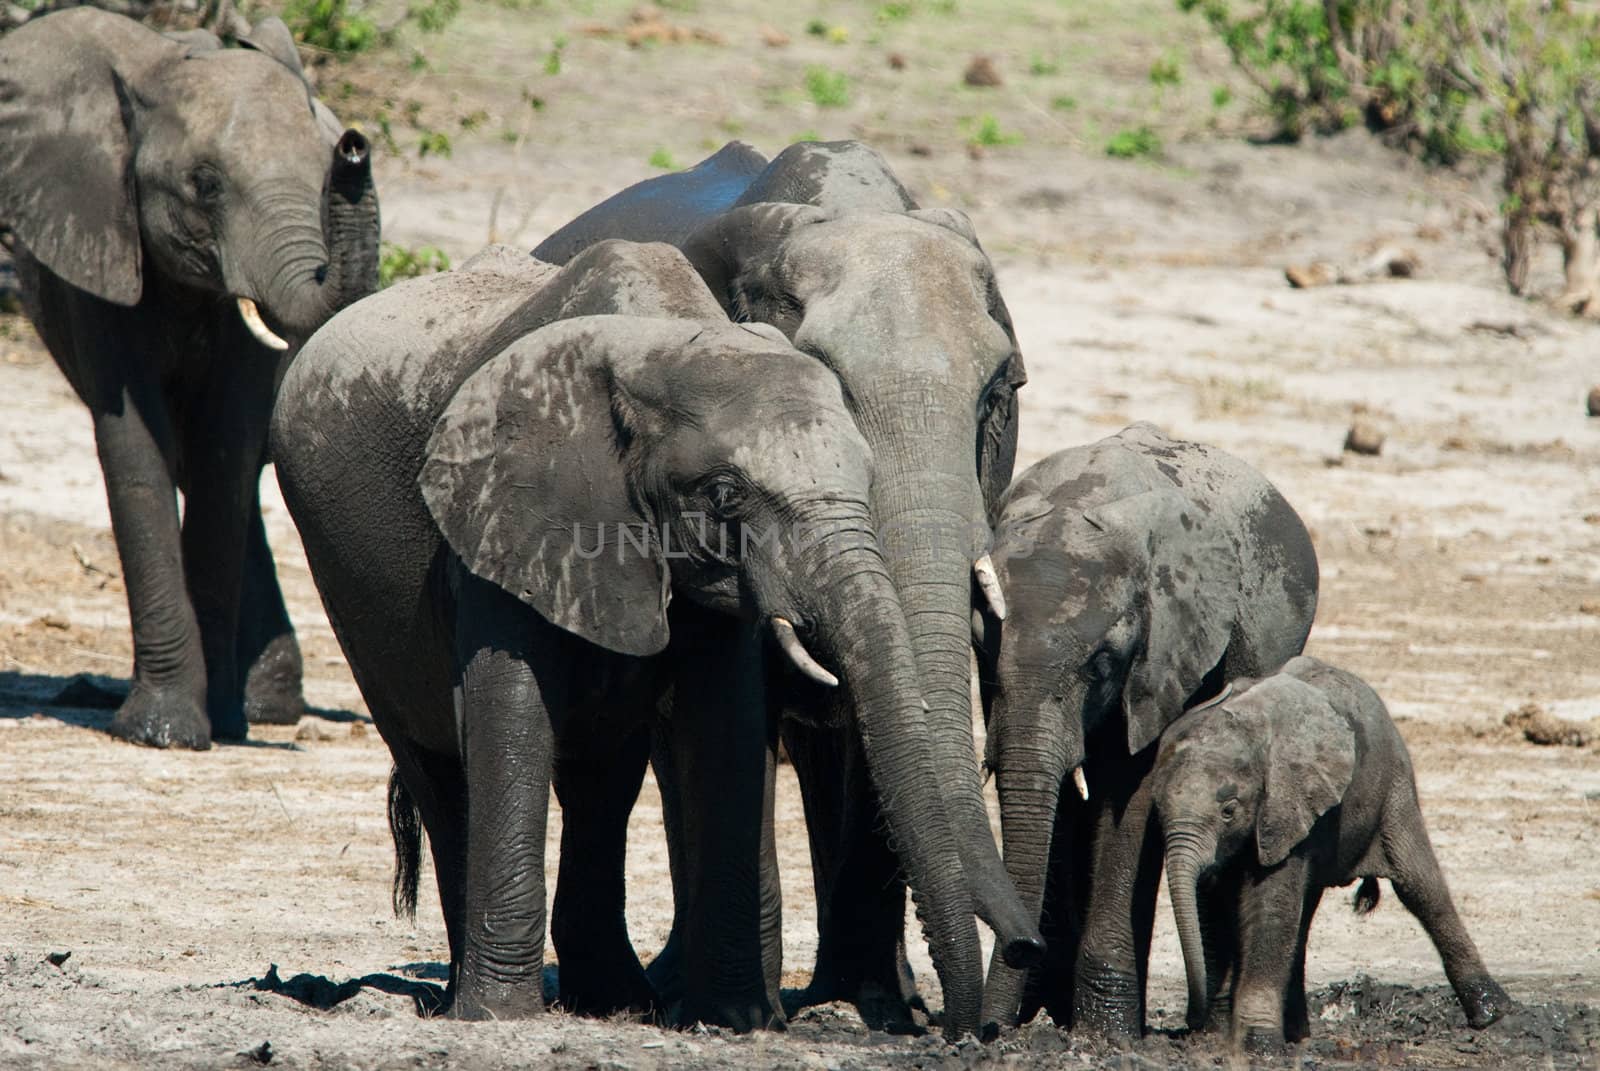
525, 475
722, 249
272, 37
1190, 573
67, 93
1310, 760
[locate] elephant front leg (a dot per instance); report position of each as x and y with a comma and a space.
719, 752
167, 704
597, 784
1125, 864
268, 660
1272, 907
507, 743
859, 892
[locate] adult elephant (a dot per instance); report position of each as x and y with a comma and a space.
1142, 572
901, 304
182, 215
498, 507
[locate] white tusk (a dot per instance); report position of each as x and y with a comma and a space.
799, 655
989, 584
1083, 785
258, 327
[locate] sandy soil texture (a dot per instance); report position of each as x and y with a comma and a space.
1461, 576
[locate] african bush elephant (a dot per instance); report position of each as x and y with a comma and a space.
901, 304
495, 507
1278, 790
1140, 572
182, 215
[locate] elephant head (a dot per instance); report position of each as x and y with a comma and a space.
128, 157
600, 464
904, 309
1247, 775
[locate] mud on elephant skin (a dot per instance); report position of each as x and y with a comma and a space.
1273, 793
1140, 571
902, 305
488, 469
182, 216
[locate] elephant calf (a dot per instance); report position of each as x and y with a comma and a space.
1282, 788
1141, 572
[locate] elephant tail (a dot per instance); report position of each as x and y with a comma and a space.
405, 826
1364, 903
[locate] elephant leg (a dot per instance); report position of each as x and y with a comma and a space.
268, 657
1272, 906
1050, 985
1414, 872
503, 709
859, 892
1219, 936
221, 477
1296, 1016
438, 787
719, 744
166, 706
1125, 861
597, 782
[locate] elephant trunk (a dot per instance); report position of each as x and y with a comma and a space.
1032, 755
864, 630
1184, 857
324, 260
934, 526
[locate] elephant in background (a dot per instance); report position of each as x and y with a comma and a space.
901, 305
1140, 572
494, 472
1282, 788
182, 216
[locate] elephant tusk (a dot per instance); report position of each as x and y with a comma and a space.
784, 632
989, 584
1079, 780
258, 327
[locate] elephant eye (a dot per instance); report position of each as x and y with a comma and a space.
206, 183
1230, 810
724, 495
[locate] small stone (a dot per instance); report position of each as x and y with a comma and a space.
1306, 276
1364, 438
897, 61
981, 72
918, 148
56, 959
358, 730
773, 37
1594, 401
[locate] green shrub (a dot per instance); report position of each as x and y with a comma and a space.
330, 25
434, 143
1134, 142
396, 262
987, 133
827, 88
663, 159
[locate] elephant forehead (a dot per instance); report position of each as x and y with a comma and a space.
794, 442
238, 98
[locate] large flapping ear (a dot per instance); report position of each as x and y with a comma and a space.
68, 92
1191, 601
526, 476
722, 248
1310, 760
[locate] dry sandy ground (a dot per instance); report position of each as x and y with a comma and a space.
1461, 576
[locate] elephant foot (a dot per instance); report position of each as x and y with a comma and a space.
1107, 1002
272, 693
1483, 1000
479, 997
602, 986
740, 1016
159, 717
880, 1008
1263, 1042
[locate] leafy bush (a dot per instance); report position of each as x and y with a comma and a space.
1134, 142
663, 159
330, 25
827, 88
396, 262
987, 133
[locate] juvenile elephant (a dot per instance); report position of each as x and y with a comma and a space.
1140, 572
901, 305
498, 509
182, 216
1284, 787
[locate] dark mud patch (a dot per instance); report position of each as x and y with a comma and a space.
324, 994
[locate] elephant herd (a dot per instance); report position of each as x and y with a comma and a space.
725, 465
